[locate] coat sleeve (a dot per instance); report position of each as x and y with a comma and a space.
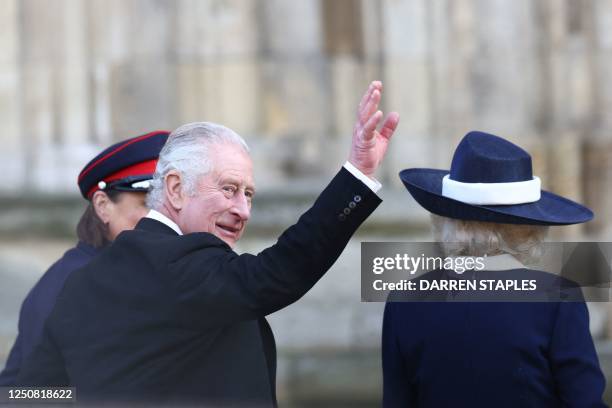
216, 286
397, 387
574, 362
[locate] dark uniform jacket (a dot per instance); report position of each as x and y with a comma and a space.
169, 318
38, 305
492, 354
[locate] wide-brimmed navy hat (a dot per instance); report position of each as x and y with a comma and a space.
491, 179
125, 166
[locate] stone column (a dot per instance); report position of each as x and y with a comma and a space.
140, 75
215, 47
345, 39
296, 89
598, 143
406, 74
598, 149
503, 69
39, 42
219, 67
104, 45
483, 73
72, 127
453, 43
12, 154
565, 110
55, 93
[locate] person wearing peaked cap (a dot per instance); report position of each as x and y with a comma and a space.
125, 167
179, 316
456, 351
114, 183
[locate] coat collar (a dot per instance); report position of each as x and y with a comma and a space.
153, 225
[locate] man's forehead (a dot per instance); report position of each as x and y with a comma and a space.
231, 162
220, 153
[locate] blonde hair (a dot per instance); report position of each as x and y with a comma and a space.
478, 238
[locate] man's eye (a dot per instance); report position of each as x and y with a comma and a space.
248, 194
229, 189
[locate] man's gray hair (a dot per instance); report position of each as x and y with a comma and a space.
475, 238
187, 151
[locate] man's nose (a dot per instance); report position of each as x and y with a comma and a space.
242, 207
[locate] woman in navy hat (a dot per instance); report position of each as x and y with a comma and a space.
494, 354
114, 183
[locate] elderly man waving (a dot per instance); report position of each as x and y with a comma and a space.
169, 313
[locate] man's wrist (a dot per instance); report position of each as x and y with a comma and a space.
372, 183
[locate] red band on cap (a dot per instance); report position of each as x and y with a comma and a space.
118, 149
138, 169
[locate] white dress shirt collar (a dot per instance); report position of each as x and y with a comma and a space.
156, 215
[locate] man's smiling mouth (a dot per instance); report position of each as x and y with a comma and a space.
228, 229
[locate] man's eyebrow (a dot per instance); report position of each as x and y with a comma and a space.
230, 179
233, 180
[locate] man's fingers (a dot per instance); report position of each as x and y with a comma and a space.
366, 97
370, 126
370, 107
389, 125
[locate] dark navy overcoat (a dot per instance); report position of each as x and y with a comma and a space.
491, 354
38, 305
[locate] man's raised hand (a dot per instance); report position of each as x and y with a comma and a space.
369, 144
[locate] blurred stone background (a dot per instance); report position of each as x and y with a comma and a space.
77, 75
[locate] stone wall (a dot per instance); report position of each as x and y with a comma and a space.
76, 75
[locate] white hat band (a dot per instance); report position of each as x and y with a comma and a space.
516, 192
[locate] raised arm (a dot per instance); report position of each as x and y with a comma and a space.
248, 286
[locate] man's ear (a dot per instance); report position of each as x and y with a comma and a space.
173, 188
102, 206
